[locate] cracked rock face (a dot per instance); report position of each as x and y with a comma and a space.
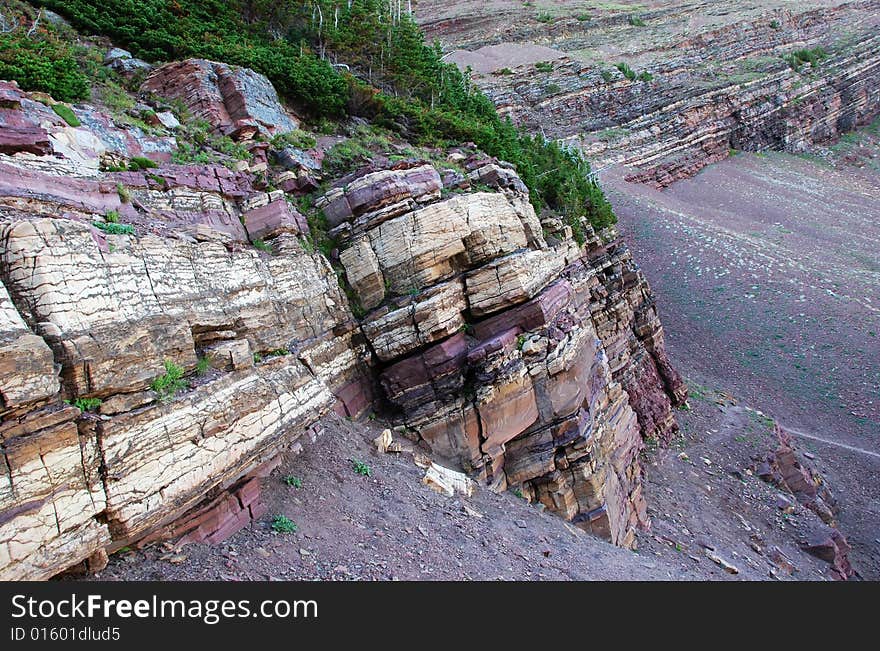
707, 78
526, 363
233, 100
488, 334
90, 316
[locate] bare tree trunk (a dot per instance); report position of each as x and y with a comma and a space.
36, 24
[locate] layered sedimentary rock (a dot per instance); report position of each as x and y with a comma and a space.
504, 346
93, 457
790, 471
698, 80
233, 100
153, 364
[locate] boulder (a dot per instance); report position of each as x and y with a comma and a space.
235, 101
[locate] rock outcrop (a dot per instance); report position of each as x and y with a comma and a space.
93, 457
154, 365
678, 96
235, 101
504, 346
790, 471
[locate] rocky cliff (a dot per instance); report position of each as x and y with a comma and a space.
676, 86
168, 329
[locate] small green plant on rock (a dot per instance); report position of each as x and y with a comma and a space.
278, 352
203, 365
361, 468
799, 57
544, 66
292, 480
66, 114
260, 245
171, 382
124, 194
627, 72
86, 404
544, 17
635, 21
138, 163
114, 227
297, 139
283, 524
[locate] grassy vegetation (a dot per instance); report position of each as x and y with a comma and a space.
394, 78
812, 56
65, 113
361, 468
114, 228
42, 62
170, 382
260, 245
283, 524
631, 74
298, 139
86, 404
203, 365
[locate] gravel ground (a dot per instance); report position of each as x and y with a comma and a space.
389, 526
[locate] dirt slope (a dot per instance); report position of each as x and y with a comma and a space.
766, 272
389, 526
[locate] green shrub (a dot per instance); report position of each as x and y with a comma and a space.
544, 17
158, 30
544, 66
138, 163
292, 480
65, 113
42, 63
112, 228
112, 217
361, 468
283, 524
635, 21
584, 17
813, 56
171, 382
87, 404
628, 72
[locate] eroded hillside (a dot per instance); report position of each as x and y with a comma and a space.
191, 282
765, 264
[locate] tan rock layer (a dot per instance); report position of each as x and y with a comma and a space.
520, 361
